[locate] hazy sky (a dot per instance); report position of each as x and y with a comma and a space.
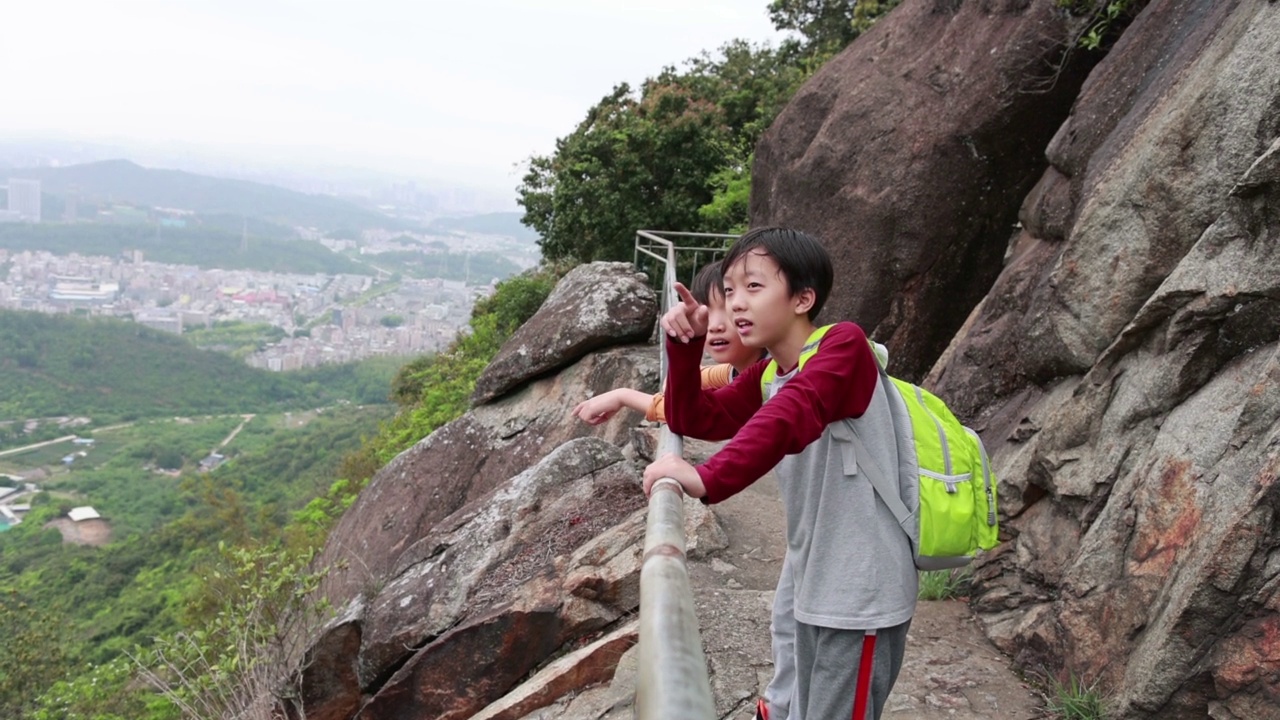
459, 90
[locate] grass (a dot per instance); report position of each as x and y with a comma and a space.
47, 455
944, 584
1075, 699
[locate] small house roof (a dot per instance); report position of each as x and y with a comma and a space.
83, 513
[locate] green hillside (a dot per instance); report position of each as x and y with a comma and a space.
95, 602
121, 181
53, 365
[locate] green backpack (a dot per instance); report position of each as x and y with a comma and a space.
957, 513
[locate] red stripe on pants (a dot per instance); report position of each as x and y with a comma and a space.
864, 676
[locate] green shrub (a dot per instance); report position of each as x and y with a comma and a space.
1075, 699
944, 584
433, 390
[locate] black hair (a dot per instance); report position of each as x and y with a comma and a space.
710, 277
804, 263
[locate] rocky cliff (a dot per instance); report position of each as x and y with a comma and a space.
1123, 364
1093, 244
1125, 368
909, 153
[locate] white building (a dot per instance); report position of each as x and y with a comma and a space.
83, 513
24, 199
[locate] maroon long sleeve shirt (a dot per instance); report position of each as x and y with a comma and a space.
836, 383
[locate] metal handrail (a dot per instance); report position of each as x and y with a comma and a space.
672, 681
658, 245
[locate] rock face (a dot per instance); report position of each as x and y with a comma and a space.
469, 458
908, 154
489, 593
594, 306
1124, 369
1126, 372
500, 541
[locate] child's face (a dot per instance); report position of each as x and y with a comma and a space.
724, 345
758, 299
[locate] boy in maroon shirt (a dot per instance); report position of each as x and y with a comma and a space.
849, 561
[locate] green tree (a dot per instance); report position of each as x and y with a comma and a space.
32, 658
634, 162
825, 27
676, 156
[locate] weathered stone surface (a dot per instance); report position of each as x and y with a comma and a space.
594, 306
602, 702
908, 156
467, 668
331, 686
470, 457
1125, 369
494, 589
592, 665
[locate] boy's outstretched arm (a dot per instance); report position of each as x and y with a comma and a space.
605, 405
836, 383
707, 414
714, 377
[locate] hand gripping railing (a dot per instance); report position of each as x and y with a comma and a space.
672, 680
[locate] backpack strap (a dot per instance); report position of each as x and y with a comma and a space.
877, 476
810, 347
770, 373
843, 431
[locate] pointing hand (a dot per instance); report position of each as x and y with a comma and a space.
688, 319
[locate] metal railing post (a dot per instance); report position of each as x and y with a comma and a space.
672, 681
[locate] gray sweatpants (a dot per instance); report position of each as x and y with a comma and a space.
782, 635
890, 647
827, 662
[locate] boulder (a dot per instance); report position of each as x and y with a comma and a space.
1125, 372
492, 591
908, 156
594, 306
470, 457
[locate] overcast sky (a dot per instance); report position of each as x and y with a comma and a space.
460, 90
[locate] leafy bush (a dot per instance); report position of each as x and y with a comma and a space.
1075, 699
1106, 19
944, 584
242, 661
103, 692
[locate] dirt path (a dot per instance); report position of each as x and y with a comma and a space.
951, 670
244, 421
33, 446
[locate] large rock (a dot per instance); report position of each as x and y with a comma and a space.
909, 153
594, 306
490, 592
470, 457
1126, 371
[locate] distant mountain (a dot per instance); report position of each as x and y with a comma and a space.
500, 223
127, 182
